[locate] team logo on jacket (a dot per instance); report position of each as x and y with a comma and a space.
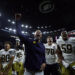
34, 42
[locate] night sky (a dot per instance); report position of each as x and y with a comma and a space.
63, 14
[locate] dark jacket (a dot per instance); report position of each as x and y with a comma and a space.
35, 51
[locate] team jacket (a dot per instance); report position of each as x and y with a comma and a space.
35, 51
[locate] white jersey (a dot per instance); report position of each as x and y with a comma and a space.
19, 56
50, 53
6, 56
68, 49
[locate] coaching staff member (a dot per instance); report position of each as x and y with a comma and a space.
35, 51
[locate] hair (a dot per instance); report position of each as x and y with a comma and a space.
49, 37
64, 32
8, 42
38, 30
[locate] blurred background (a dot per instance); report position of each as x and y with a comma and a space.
50, 16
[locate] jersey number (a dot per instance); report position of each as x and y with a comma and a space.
50, 51
5, 58
19, 55
67, 48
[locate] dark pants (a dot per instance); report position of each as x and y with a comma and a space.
51, 69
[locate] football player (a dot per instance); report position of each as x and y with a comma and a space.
67, 47
19, 59
6, 59
50, 53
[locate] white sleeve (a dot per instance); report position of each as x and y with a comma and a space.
44, 44
12, 52
23, 57
0, 53
66, 65
15, 58
56, 46
57, 41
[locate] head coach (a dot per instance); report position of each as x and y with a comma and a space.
35, 51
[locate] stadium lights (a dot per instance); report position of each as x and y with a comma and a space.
63, 29
49, 26
59, 30
42, 27
22, 32
6, 27
30, 27
22, 25
26, 32
47, 32
14, 30
33, 33
44, 32
9, 20
45, 26
0, 14
55, 31
10, 29
38, 27
26, 26
13, 22
51, 31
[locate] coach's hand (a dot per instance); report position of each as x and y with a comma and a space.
43, 66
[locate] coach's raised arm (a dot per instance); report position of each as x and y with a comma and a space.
35, 50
